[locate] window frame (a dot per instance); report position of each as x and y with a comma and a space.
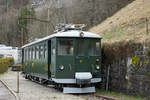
45, 51
64, 39
84, 46
94, 41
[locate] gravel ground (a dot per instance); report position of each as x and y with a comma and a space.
33, 91
5, 93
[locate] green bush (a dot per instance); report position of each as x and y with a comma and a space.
5, 63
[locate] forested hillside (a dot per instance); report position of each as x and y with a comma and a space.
9, 10
90, 12
38, 18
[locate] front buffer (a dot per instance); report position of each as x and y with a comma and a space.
81, 79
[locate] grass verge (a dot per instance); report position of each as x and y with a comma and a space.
118, 96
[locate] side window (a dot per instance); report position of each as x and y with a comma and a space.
31, 56
53, 51
28, 53
41, 52
80, 51
44, 51
65, 47
53, 48
37, 52
33, 53
24, 54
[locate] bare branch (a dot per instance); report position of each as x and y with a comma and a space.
40, 20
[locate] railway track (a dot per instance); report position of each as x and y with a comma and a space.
88, 97
100, 97
96, 97
10, 90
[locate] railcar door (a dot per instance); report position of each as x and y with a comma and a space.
49, 57
81, 58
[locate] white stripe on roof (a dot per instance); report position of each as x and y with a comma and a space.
72, 33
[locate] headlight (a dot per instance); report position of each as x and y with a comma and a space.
81, 34
97, 67
61, 67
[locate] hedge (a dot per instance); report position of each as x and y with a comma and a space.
5, 63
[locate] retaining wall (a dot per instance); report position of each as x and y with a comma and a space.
128, 65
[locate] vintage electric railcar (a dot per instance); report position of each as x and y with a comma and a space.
69, 59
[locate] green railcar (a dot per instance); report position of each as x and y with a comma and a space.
71, 60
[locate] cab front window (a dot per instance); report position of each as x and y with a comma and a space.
94, 48
80, 51
65, 47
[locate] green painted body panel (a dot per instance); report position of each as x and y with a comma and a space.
36, 67
81, 62
76, 63
50, 66
92, 61
53, 58
40, 68
68, 63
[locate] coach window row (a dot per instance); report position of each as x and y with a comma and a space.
35, 52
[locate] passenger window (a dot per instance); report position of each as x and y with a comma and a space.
41, 52
33, 52
53, 48
93, 48
53, 51
80, 51
45, 51
37, 52
65, 47
28, 54
24, 55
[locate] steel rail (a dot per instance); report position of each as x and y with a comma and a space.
96, 97
102, 97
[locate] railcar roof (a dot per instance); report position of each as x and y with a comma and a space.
71, 33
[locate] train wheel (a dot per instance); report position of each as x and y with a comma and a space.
26, 76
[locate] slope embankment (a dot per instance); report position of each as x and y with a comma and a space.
130, 23
126, 49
